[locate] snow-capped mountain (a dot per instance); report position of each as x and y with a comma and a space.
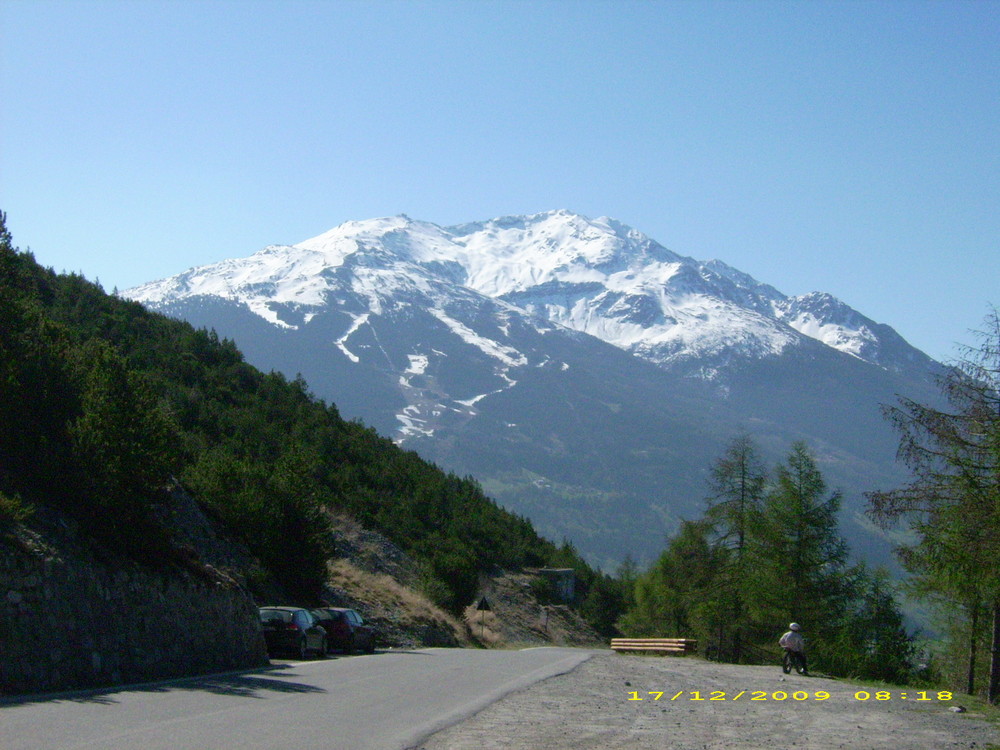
596, 276
552, 356
615, 283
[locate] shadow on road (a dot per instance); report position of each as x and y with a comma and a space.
243, 685
251, 684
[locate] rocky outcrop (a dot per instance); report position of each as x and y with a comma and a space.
518, 617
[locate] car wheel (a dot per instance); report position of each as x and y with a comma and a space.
370, 648
324, 647
303, 648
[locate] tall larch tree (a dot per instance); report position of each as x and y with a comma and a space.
797, 548
737, 485
953, 503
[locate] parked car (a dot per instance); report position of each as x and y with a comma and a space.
346, 629
292, 629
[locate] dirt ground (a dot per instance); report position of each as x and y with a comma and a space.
590, 707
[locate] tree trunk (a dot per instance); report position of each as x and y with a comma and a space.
973, 640
994, 691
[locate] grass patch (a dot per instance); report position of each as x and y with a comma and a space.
385, 598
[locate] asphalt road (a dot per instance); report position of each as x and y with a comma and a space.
387, 701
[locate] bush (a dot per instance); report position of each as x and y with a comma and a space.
13, 511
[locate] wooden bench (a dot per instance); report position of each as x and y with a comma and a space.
655, 645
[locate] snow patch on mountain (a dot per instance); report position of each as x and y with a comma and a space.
835, 335
418, 364
412, 424
341, 343
506, 354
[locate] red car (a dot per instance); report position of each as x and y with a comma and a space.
345, 629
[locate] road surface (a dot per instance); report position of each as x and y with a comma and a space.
387, 701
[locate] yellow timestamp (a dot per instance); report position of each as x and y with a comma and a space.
783, 695
722, 695
916, 695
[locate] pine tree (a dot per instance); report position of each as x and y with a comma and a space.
124, 448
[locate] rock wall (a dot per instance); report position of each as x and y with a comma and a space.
69, 620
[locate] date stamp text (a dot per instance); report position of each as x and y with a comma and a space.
782, 695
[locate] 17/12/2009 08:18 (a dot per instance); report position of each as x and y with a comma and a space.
781, 695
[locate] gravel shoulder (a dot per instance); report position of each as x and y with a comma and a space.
590, 707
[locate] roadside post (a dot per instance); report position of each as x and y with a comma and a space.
483, 606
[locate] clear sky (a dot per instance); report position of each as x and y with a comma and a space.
846, 147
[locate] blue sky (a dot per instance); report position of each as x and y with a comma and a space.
847, 147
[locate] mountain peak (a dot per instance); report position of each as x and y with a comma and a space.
598, 276
355, 229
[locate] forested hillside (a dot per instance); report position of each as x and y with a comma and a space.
103, 405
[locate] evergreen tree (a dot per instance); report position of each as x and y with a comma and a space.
677, 596
764, 556
124, 452
124, 437
873, 641
737, 483
954, 499
37, 395
605, 602
796, 546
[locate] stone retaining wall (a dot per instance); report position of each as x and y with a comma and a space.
68, 621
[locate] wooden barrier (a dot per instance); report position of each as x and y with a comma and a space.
655, 645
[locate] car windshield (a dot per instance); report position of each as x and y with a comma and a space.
275, 615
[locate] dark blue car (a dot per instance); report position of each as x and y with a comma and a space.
292, 629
